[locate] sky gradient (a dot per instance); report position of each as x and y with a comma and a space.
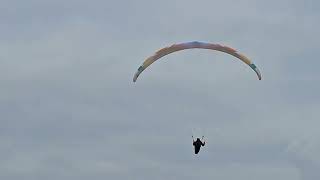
70, 111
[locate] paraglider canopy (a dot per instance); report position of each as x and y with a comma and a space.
194, 45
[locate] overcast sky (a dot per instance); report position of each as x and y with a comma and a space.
70, 111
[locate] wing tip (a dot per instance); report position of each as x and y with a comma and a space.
135, 77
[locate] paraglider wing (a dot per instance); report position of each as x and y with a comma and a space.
194, 45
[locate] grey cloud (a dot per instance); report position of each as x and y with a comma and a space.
70, 111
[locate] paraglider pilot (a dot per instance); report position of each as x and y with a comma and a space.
197, 144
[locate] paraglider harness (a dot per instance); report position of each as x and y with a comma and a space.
197, 144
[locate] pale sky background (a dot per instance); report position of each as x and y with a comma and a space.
70, 111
